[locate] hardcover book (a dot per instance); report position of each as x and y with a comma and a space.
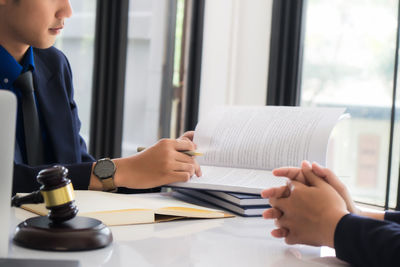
245, 210
240, 199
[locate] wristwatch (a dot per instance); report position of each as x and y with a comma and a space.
105, 170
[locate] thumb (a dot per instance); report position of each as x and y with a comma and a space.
184, 144
319, 170
327, 175
187, 136
309, 175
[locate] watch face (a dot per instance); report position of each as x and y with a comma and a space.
104, 168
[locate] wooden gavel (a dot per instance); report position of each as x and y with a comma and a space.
61, 229
56, 192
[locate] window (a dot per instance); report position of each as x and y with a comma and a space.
349, 61
154, 74
136, 40
144, 73
77, 42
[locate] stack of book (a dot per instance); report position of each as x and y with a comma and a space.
242, 204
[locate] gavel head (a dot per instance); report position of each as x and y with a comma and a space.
58, 193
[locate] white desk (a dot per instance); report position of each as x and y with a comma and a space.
216, 242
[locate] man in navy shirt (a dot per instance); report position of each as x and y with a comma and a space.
28, 29
315, 208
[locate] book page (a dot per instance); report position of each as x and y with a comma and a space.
248, 181
122, 209
89, 201
265, 137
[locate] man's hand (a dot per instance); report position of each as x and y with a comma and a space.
296, 174
189, 137
158, 165
280, 192
310, 213
335, 182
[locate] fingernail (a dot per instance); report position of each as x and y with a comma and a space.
262, 194
306, 163
291, 187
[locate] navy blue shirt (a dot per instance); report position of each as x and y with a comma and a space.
364, 241
58, 116
10, 69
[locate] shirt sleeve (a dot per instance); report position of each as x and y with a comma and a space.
25, 176
364, 241
393, 216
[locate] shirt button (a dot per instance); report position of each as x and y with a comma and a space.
5, 80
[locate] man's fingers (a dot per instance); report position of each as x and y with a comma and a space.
188, 135
197, 169
278, 192
278, 203
176, 177
319, 170
184, 167
181, 157
290, 240
328, 175
280, 232
268, 193
184, 144
292, 173
309, 175
283, 202
272, 213
288, 172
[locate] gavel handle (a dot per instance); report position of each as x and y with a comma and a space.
32, 198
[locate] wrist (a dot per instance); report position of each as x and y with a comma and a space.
355, 210
118, 176
331, 223
378, 215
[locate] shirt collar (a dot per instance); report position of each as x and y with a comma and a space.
27, 61
10, 69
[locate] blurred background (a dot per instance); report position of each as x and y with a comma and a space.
179, 58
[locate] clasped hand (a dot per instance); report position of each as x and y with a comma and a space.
308, 208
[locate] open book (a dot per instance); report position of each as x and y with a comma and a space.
119, 209
242, 145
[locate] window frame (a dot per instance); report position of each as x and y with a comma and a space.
287, 42
286, 52
109, 69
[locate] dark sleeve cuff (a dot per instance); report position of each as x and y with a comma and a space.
364, 241
393, 216
79, 174
344, 226
24, 180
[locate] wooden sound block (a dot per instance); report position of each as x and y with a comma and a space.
79, 233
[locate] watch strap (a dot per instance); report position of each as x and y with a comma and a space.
108, 184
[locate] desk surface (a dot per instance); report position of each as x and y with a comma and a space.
213, 242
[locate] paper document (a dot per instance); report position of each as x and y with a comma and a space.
242, 145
